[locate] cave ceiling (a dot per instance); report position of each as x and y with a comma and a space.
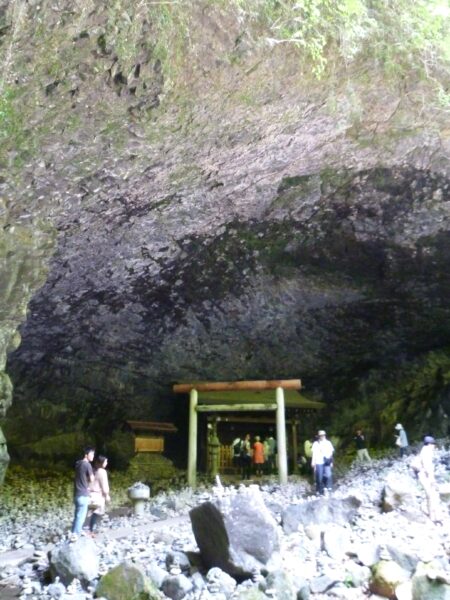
290, 232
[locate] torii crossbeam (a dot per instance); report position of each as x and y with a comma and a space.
215, 397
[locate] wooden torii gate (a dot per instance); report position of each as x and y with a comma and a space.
278, 386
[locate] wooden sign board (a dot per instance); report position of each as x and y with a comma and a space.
149, 444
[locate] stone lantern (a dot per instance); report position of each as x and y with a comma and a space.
139, 493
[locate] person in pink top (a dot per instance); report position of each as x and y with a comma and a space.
99, 493
258, 456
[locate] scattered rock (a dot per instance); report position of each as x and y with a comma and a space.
319, 512
386, 576
430, 582
127, 581
237, 534
399, 491
176, 586
314, 560
77, 560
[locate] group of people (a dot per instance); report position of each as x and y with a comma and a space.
362, 454
259, 455
319, 455
322, 464
91, 486
91, 491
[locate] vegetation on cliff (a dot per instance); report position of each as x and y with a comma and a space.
55, 55
127, 127
416, 393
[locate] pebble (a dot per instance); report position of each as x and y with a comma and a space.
165, 549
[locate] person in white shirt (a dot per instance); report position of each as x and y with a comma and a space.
322, 462
424, 467
401, 439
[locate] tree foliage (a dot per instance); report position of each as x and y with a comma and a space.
416, 394
396, 35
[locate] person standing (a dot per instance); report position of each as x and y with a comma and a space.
322, 462
236, 452
307, 451
362, 454
401, 439
258, 456
99, 492
246, 457
266, 451
424, 468
271, 456
84, 476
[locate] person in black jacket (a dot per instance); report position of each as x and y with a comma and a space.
84, 476
362, 454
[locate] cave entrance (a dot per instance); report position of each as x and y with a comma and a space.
244, 397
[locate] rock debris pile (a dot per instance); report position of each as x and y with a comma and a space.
370, 538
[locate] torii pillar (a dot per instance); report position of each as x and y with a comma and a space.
281, 437
194, 388
192, 446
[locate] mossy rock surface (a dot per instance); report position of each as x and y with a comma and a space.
386, 576
151, 466
127, 582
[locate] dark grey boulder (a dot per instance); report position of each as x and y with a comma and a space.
77, 560
177, 558
156, 573
237, 534
56, 590
323, 583
404, 555
176, 586
278, 584
320, 512
223, 581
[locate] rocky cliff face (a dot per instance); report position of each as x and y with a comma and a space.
209, 210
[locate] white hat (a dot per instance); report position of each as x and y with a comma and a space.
398, 426
321, 432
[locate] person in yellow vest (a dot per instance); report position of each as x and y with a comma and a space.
307, 451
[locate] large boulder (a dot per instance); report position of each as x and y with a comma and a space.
279, 584
430, 582
405, 554
355, 574
320, 511
367, 553
176, 586
77, 560
127, 581
399, 491
237, 534
337, 541
218, 578
387, 575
